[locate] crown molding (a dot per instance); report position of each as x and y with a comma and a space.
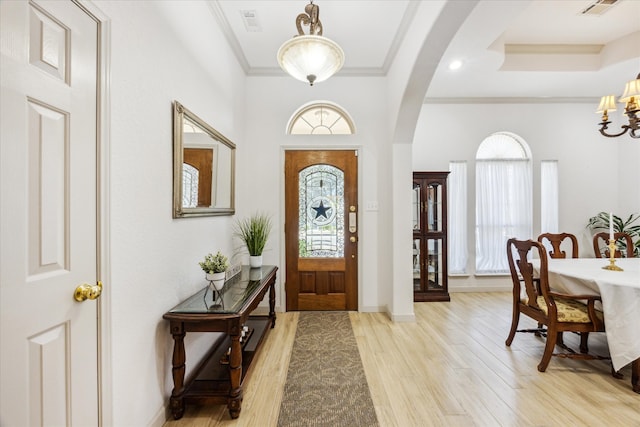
345, 71
218, 14
513, 100
405, 23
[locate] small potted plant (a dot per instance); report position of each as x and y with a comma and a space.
254, 233
215, 267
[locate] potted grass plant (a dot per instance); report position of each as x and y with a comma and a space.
254, 232
215, 267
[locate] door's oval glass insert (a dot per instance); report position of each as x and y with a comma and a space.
321, 212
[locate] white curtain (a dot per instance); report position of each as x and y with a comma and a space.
549, 196
503, 210
458, 251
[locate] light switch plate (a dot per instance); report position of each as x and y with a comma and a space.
371, 205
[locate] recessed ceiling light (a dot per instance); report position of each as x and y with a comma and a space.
455, 65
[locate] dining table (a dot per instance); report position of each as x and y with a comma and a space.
620, 294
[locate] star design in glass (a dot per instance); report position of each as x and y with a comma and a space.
321, 210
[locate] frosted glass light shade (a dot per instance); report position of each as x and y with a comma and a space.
607, 103
310, 58
632, 88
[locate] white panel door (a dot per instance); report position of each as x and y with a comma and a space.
48, 216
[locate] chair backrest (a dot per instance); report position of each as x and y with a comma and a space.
556, 240
522, 271
602, 250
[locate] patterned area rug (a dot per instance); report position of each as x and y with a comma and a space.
326, 384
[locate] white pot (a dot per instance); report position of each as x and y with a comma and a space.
216, 280
216, 285
216, 276
255, 261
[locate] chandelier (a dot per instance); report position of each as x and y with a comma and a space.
310, 58
631, 97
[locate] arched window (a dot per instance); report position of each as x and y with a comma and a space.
503, 199
320, 118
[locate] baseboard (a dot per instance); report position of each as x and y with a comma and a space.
480, 289
365, 309
161, 417
402, 317
372, 309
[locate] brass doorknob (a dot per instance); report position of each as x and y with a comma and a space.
352, 239
86, 291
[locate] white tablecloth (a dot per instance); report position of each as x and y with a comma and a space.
620, 292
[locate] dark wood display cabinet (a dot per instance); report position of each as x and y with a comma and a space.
219, 377
430, 236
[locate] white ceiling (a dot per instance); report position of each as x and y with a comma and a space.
537, 48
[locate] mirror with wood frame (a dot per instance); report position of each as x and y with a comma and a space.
203, 167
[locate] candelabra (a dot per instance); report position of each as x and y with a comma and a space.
612, 257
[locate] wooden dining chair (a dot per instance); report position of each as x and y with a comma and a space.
556, 239
601, 242
558, 312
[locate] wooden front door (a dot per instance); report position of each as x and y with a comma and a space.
321, 229
48, 220
201, 159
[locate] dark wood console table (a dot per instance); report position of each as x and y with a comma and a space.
219, 377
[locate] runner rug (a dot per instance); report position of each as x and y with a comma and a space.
326, 384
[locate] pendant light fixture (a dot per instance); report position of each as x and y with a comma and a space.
310, 57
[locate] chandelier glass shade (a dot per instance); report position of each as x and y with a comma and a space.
310, 57
631, 99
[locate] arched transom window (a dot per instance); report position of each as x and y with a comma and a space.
320, 118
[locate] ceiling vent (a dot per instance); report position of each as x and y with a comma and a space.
250, 19
599, 7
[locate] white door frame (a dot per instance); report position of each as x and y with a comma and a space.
105, 372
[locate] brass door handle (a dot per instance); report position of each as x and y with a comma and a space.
352, 239
86, 291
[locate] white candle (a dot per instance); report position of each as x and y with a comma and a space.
610, 226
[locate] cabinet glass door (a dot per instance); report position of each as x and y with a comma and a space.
416, 202
433, 260
417, 267
434, 207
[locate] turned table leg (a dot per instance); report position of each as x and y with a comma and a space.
272, 304
177, 400
235, 376
635, 375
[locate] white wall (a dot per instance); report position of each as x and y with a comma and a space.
154, 257
595, 173
628, 173
260, 175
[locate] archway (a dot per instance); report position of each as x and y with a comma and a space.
451, 17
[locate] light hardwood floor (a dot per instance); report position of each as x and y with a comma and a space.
450, 368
